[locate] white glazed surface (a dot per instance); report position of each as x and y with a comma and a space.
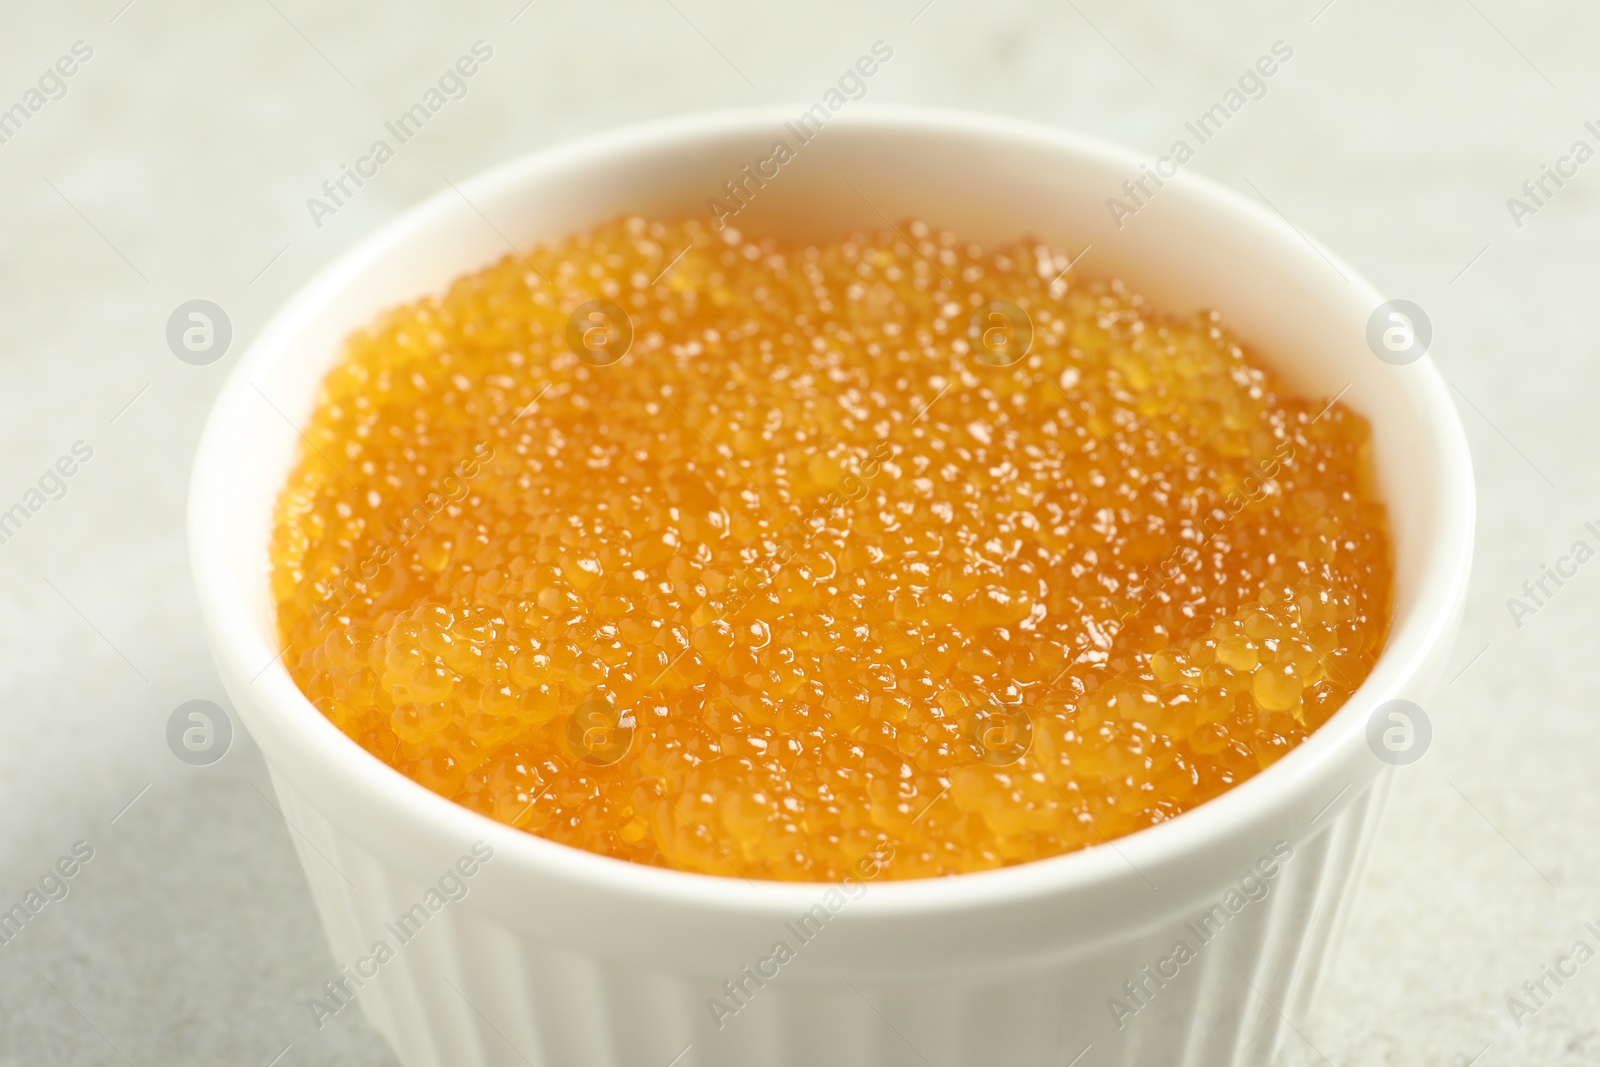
1008, 967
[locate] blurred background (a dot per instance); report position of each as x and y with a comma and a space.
175, 164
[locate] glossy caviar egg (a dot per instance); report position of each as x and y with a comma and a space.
749, 557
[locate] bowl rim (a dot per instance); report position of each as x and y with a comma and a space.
279, 711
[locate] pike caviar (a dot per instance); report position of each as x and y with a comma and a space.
891, 544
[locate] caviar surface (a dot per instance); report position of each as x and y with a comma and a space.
890, 541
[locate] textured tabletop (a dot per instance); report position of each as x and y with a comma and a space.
179, 158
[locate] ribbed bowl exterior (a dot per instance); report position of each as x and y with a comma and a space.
467, 991
541, 955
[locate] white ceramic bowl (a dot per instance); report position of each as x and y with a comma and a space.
559, 957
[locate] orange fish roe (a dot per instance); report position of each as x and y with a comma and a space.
887, 541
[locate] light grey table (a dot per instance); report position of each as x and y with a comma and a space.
177, 163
